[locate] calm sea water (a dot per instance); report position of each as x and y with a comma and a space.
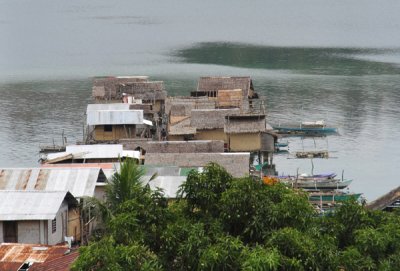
338, 61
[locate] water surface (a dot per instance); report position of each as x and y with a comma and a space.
337, 61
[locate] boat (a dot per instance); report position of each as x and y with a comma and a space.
307, 128
282, 147
312, 154
319, 197
305, 176
281, 144
319, 184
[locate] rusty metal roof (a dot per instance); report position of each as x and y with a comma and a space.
79, 181
31, 205
62, 263
12, 256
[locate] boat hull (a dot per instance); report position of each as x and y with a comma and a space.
305, 131
332, 197
324, 185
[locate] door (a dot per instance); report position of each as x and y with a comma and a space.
10, 231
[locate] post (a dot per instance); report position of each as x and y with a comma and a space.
262, 162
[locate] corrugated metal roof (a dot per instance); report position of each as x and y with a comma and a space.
61, 263
12, 255
169, 184
161, 170
95, 151
30, 205
113, 106
114, 117
79, 181
148, 122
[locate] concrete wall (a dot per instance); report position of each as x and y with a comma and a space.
217, 134
100, 192
236, 164
30, 231
27, 232
245, 142
62, 226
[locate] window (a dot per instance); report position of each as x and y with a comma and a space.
54, 225
107, 128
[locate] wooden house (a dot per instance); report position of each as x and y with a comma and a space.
151, 93
111, 122
248, 133
211, 86
209, 123
106, 87
38, 217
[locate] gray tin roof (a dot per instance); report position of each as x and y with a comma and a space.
31, 205
79, 181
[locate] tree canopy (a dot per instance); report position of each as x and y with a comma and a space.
223, 223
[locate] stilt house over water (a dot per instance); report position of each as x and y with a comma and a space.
222, 108
137, 91
111, 122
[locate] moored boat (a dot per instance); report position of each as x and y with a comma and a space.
306, 128
319, 185
331, 197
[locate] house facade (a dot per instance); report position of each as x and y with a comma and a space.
35, 217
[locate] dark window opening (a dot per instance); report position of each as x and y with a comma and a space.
10, 231
54, 225
107, 128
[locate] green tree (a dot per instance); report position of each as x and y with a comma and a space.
203, 190
225, 223
107, 255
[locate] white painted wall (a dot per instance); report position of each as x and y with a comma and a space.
62, 220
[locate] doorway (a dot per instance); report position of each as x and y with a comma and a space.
10, 231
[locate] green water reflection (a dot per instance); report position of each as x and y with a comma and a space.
328, 61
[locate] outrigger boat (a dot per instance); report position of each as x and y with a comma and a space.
319, 184
331, 197
324, 182
312, 154
307, 128
305, 176
282, 147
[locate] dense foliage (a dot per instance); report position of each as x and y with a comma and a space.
225, 223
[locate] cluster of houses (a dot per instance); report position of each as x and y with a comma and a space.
223, 120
